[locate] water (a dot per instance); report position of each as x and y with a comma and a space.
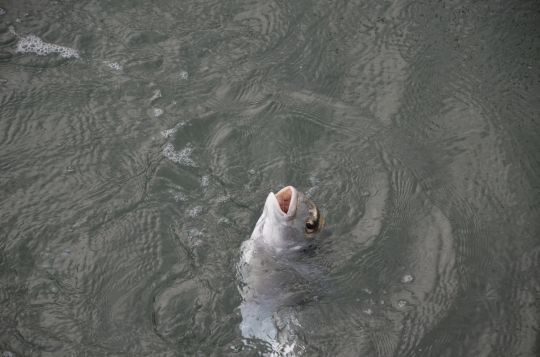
135, 157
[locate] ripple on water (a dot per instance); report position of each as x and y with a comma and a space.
180, 309
264, 24
99, 259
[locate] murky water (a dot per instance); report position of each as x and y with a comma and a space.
139, 140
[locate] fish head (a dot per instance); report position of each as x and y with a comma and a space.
289, 219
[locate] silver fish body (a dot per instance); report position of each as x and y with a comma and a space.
274, 271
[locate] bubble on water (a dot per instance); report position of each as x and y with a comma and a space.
205, 180
183, 75
295, 321
195, 211
155, 112
224, 220
194, 233
113, 65
407, 278
179, 196
401, 303
33, 44
169, 132
182, 157
195, 237
252, 171
222, 199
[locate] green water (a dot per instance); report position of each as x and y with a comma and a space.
132, 170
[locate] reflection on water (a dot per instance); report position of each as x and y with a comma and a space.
139, 141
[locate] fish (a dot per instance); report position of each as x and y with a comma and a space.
276, 272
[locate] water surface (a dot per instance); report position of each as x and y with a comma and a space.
138, 141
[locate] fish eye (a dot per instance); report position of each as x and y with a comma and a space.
312, 223
310, 226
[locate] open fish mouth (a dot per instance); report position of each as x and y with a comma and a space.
284, 198
290, 204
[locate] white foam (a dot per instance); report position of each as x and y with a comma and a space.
183, 75
205, 180
180, 197
194, 233
195, 211
195, 236
224, 220
155, 112
169, 132
33, 44
222, 199
182, 157
113, 65
407, 278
